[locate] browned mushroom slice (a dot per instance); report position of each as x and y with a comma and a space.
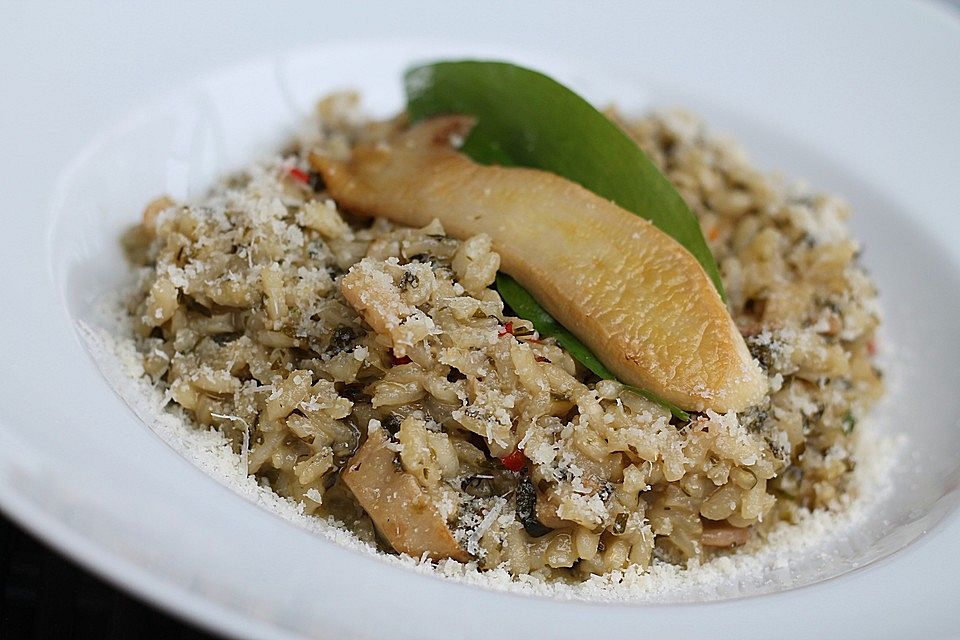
724, 535
635, 296
403, 513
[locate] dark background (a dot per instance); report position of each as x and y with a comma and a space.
43, 596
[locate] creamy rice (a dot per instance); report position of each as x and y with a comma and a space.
297, 331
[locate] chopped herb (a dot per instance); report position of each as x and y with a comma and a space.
455, 374
392, 423
527, 509
478, 486
409, 281
620, 524
763, 351
605, 491
315, 180
522, 332
424, 258
196, 307
755, 418
354, 392
779, 452
849, 422
224, 338
342, 340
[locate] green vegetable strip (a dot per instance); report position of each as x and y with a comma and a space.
524, 305
525, 118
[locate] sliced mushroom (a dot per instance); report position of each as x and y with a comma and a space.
724, 535
633, 294
401, 510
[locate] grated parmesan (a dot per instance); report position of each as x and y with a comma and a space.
791, 555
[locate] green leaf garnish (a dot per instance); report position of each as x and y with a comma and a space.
525, 118
524, 305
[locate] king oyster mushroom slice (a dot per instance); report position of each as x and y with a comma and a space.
636, 297
401, 510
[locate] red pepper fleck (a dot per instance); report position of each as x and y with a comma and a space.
505, 329
515, 461
299, 175
398, 360
872, 347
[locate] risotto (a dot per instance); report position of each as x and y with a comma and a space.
349, 359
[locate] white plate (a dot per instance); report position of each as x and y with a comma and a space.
861, 102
